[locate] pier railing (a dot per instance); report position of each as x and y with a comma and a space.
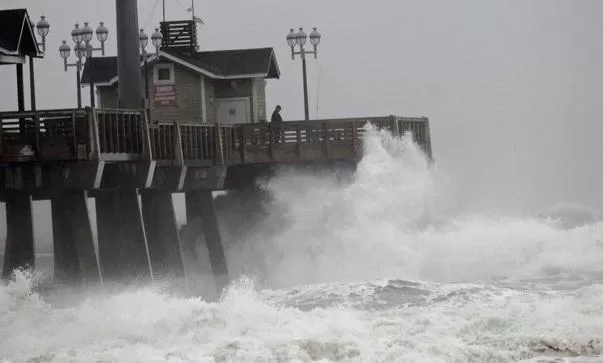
119, 135
44, 135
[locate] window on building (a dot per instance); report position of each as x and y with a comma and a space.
163, 74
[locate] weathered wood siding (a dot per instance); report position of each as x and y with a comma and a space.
210, 96
188, 98
107, 97
189, 105
259, 103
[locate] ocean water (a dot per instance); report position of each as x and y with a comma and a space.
374, 265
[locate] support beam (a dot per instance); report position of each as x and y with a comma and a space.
74, 255
20, 88
122, 245
19, 251
200, 210
162, 235
129, 92
32, 83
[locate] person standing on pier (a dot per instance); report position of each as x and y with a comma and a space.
276, 115
276, 121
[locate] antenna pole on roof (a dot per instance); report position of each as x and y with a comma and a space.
192, 11
164, 10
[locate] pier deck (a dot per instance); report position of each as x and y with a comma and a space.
131, 167
94, 149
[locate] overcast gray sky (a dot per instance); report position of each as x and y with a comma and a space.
512, 88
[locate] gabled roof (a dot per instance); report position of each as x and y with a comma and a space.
17, 36
104, 69
221, 64
229, 63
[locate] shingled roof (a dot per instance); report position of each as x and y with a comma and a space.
104, 69
221, 64
17, 36
232, 63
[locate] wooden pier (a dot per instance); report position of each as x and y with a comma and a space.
119, 158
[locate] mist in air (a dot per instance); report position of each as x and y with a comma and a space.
490, 254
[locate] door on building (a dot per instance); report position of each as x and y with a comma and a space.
233, 110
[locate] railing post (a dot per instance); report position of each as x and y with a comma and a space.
219, 148
270, 140
95, 146
427, 138
395, 126
131, 129
1, 136
147, 151
242, 143
354, 136
119, 118
74, 138
185, 141
298, 139
325, 141
37, 129
118, 133
177, 141
110, 130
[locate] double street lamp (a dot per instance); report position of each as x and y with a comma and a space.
300, 39
156, 40
43, 28
83, 49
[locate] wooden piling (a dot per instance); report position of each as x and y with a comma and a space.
75, 260
200, 210
163, 240
19, 250
122, 244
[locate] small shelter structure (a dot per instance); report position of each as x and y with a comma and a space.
186, 85
17, 43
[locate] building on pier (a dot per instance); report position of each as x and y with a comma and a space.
186, 85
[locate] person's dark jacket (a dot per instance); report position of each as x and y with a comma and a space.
276, 117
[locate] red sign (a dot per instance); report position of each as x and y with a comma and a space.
164, 95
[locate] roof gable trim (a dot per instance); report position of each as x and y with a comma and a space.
197, 69
16, 51
31, 33
18, 35
273, 61
9, 52
208, 73
21, 32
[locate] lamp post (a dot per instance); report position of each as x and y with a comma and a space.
83, 49
43, 28
299, 39
156, 39
102, 33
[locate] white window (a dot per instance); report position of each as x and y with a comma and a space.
163, 73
